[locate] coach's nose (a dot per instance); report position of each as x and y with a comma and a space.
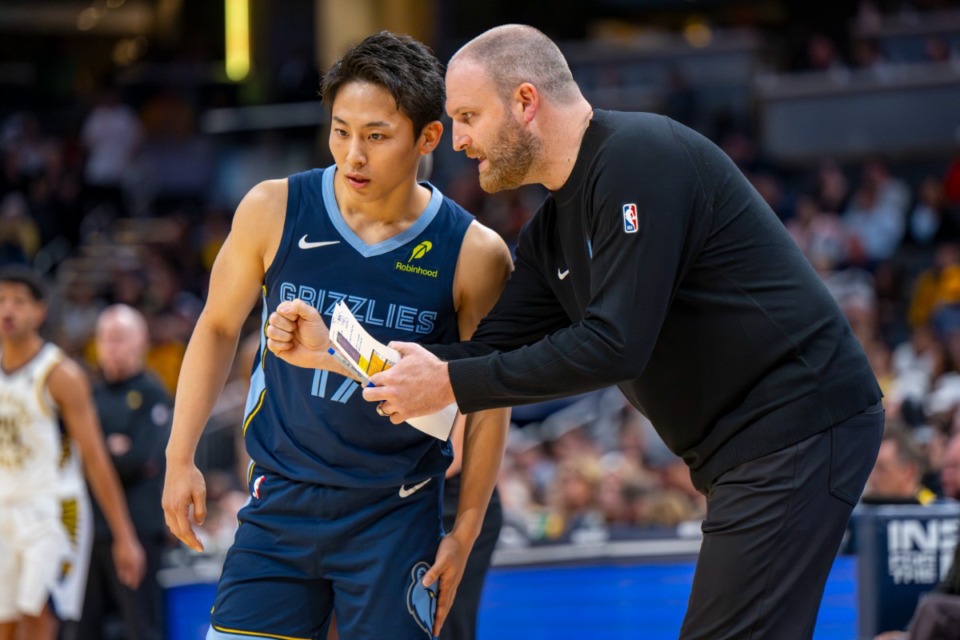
460, 138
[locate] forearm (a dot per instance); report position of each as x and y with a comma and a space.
484, 441
206, 365
574, 360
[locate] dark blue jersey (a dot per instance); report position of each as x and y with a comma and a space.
314, 425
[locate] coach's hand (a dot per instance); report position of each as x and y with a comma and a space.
448, 568
418, 385
184, 498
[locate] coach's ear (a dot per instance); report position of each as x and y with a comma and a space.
526, 102
430, 137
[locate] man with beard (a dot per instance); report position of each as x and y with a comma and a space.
654, 265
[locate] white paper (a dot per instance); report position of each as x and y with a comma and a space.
364, 355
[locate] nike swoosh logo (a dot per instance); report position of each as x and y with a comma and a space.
406, 493
562, 274
303, 244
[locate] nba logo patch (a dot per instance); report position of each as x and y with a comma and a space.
630, 218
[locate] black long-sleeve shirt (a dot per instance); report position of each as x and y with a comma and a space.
140, 409
657, 267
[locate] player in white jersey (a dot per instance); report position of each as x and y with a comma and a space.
38, 388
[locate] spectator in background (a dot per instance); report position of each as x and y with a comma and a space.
896, 475
936, 287
931, 222
950, 470
19, 235
135, 413
23, 135
951, 184
819, 234
936, 49
822, 55
876, 217
937, 616
576, 501
112, 135
914, 363
832, 189
80, 307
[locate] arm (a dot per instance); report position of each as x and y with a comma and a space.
70, 390
526, 311
633, 278
235, 284
482, 269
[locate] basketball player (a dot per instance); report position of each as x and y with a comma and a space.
39, 386
345, 510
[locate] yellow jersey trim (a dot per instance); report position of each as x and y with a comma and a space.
255, 634
246, 423
44, 401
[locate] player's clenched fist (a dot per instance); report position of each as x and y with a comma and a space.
296, 333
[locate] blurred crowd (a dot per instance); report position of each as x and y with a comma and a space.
122, 209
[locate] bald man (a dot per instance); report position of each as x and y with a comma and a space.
135, 412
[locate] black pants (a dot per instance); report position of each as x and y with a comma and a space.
139, 613
772, 531
461, 623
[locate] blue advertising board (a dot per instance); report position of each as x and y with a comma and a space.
905, 550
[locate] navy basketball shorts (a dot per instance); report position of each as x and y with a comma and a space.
304, 550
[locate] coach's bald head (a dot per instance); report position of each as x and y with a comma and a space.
515, 53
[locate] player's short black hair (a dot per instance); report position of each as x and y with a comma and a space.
402, 65
22, 274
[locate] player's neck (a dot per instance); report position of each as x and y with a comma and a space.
378, 220
16, 353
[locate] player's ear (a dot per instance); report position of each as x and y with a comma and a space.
430, 137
